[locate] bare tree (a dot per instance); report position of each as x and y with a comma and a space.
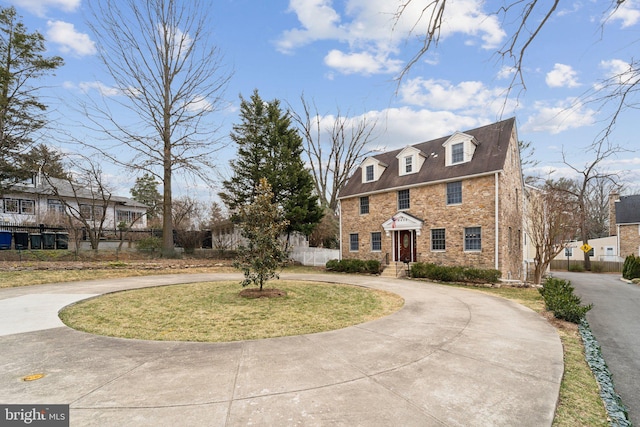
529, 18
84, 196
189, 216
169, 80
550, 225
332, 157
588, 175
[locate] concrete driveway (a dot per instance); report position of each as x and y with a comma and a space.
615, 322
449, 357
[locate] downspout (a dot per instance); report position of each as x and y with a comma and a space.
340, 228
497, 221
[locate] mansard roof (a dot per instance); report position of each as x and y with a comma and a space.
490, 155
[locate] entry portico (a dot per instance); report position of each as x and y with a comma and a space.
404, 230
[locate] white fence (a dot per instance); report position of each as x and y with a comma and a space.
316, 257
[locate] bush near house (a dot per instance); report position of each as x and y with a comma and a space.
353, 266
562, 302
631, 267
454, 274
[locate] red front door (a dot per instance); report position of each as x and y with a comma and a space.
405, 245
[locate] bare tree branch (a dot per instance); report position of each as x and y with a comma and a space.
168, 81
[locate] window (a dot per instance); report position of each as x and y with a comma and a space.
591, 252
437, 239
454, 193
568, 252
457, 153
376, 241
128, 217
55, 206
403, 199
91, 212
364, 205
353, 242
11, 206
27, 207
472, 239
369, 173
408, 164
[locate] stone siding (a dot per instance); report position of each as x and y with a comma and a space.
629, 239
429, 204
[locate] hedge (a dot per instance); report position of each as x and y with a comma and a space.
353, 266
454, 274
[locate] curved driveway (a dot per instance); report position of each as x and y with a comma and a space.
449, 357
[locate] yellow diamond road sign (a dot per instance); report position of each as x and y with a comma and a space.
586, 247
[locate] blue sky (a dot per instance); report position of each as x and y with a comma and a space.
345, 56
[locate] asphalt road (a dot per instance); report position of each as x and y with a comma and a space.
615, 322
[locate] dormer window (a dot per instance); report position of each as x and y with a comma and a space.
457, 153
369, 173
372, 168
410, 160
459, 148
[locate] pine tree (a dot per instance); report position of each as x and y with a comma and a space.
145, 190
270, 147
21, 113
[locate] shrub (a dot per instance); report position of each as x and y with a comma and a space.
454, 274
631, 267
576, 268
353, 266
597, 267
149, 244
559, 298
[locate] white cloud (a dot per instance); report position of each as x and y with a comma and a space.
562, 76
559, 117
70, 41
103, 89
200, 103
468, 97
628, 13
370, 29
40, 7
506, 72
362, 63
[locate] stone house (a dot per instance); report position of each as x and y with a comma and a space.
456, 200
624, 222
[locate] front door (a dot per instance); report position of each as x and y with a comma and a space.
405, 246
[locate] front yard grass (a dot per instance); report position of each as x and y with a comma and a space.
215, 312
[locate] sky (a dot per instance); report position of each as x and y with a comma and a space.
346, 57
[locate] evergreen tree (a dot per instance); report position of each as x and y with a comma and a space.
21, 114
270, 147
145, 190
262, 224
43, 159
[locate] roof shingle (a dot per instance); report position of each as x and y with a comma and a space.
489, 157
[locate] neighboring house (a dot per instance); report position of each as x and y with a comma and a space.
456, 200
35, 202
602, 249
624, 223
